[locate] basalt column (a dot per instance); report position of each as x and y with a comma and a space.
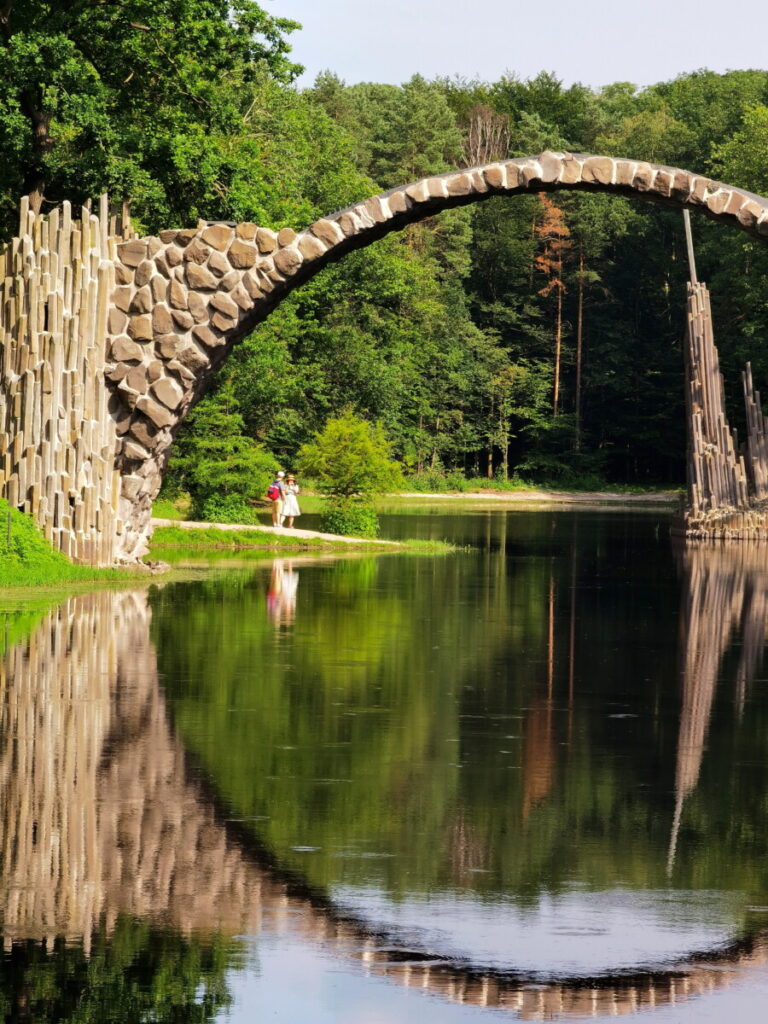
57, 431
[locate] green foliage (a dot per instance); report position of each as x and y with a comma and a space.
227, 508
217, 459
27, 559
350, 457
350, 518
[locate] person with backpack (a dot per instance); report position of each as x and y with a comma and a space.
276, 494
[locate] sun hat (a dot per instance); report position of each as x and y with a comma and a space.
290, 477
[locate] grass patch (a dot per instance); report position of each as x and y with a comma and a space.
168, 539
28, 560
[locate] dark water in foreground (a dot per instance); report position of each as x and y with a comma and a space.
529, 779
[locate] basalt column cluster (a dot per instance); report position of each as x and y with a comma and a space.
57, 437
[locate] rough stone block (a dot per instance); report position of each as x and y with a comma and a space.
224, 304
162, 322
418, 192
251, 285
117, 372
183, 238
137, 379
224, 322
286, 236
219, 264
121, 297
551, 166
348, 224
159, 288
698, 194
310, 247
167, 391
117, 321
134, 452
242, 255
266, 240
228, 282
246, 231
123, 350
193, 358
123, 274
570, 172
198, 307
154, 371
682, 183
140, 328
514, 179
218, 236
242, 298
288, 261
178, 295
145, 432
132, 253
735, 202
144, 273
717, 201
200, 277
155, 411
196, 252
130, 485
643, 179
458, 185
183, 320
494, 176
142, 301
128, 395
597, 170
205, 336
174, 366
750, 213
662, 183
169, 346
327, 231
173, 256
399, 202
154, 245
166, 237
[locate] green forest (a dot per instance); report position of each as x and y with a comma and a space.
535, 338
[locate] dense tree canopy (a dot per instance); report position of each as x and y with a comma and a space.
453, 335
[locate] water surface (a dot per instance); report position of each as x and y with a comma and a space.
528, 778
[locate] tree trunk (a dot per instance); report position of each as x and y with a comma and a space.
579, 340
489, 467
558, 347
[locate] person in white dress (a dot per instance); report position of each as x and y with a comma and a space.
290, 504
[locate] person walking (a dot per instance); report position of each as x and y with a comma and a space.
290, 503
276, 494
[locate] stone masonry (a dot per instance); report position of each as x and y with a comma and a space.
183, 299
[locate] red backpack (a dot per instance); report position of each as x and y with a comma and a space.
273, 492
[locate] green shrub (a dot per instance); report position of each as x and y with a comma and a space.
350, 519
429, 481
226, 508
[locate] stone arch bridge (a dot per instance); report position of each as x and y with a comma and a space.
109, 339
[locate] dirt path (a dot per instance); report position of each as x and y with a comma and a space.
278, 532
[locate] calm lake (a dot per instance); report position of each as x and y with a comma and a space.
526, 780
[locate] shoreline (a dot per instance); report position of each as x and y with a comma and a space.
542, 497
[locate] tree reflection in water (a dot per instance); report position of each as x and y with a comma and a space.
122, 883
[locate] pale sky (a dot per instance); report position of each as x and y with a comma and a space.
594, 42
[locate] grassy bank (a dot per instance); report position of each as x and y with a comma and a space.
28, 560
175, 538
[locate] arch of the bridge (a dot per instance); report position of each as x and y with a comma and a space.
103, 817
183, 299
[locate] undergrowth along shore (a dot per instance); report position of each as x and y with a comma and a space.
28, 560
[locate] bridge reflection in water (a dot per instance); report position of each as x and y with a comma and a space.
103, 816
